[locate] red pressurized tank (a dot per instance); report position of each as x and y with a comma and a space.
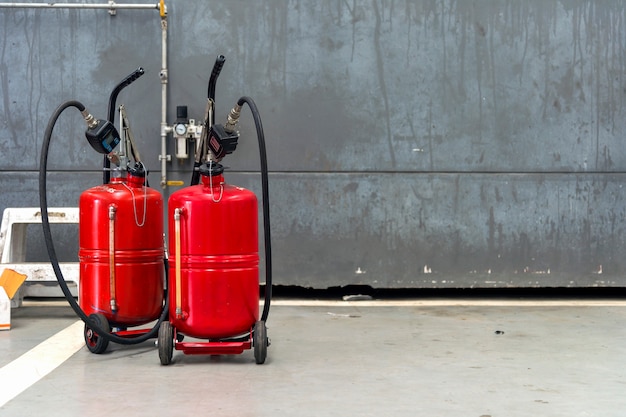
214, 261
121, 251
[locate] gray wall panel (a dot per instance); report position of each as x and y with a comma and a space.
417, 143
447, 230
420, 230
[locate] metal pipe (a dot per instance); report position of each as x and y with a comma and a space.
164, 157
111, 5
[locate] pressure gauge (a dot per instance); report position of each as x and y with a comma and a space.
180, 129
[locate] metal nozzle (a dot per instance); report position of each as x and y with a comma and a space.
233, 118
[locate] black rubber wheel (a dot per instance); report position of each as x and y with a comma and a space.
259, 340
166, 343
95, 343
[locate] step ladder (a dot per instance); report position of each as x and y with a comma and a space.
40, 281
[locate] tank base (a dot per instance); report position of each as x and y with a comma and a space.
218, 347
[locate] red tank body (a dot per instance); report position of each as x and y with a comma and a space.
136, 231
218, 284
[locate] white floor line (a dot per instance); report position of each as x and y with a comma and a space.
38, 362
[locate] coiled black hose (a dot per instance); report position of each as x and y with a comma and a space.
54, 260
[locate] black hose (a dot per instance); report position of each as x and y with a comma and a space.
195, 173
43, 204
265, 203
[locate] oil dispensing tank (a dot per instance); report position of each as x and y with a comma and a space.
121, 243
213, 280
121, 252
213, 273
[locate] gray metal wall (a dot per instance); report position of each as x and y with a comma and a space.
411, 143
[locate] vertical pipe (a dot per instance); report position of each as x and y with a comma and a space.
164, 158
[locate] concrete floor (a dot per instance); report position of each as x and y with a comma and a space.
434, 357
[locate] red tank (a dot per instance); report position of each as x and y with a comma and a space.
214, 261
121, 225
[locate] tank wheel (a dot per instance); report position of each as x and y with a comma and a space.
260, 342
95, 343
166, 343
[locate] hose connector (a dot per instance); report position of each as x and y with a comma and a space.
233, 119
91, 121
